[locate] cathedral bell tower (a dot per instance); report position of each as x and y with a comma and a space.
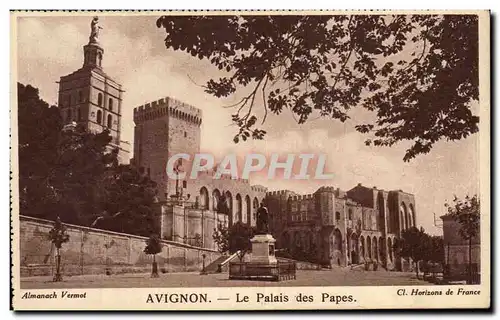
91, 98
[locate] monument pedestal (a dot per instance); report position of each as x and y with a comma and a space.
263, 247
262, 264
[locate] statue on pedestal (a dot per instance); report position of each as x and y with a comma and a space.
262, 220
94, 30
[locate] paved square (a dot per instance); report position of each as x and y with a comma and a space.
335, 277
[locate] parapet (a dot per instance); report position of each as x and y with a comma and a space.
279, 193
301, 197
403, 192
258, 188
326, 189
168, 107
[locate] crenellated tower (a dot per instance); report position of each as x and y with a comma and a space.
164, 128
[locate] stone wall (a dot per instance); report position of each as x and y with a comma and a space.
457, 249
93, 251
190, 225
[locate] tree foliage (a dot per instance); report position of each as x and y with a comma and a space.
436, 252
221, 238
153, 245
129, 202
417, 73
222, 204
414, 244
38, 126
72, 174
239, 237
417, 245
58, 234
466, 213
233, 239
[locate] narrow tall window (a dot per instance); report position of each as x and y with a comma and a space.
110, 104
79, 114
69, 115
80, 96
99, 116
99, 99
109, 121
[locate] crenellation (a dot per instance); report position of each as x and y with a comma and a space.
168, 106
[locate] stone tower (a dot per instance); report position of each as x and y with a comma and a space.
164, 128
91, 98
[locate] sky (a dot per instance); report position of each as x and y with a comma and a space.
136, 57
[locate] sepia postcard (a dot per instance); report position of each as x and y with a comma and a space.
250, 160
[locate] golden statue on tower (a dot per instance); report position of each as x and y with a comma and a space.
94, 30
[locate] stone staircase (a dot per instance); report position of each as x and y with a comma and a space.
221, 264
214, 266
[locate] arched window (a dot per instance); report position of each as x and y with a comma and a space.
362, 246
255, 207
381, 249
296, 239
229, 201
110, 121
239, 208
99, 116
99, 99
411, 216
99, 59
338, 240
403, 223
369, 247
350, 214
389, 247
110, 104
215, 200
354, 249
248, 208
337, 215
204, 201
